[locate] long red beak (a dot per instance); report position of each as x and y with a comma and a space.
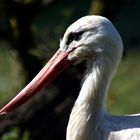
56, 64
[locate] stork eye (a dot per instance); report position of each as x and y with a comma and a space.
74, 36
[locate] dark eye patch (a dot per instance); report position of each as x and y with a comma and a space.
74, 36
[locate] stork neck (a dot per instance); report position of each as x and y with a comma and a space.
95, 86
90, 106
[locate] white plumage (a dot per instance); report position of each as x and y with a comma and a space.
95, 40
101, 46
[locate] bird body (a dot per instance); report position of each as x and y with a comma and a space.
95, 40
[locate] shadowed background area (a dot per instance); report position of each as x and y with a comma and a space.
29, 35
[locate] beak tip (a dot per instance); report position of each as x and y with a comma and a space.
3, 112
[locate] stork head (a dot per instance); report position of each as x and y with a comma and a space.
92, 36
89, 37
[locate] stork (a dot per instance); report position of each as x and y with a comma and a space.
95, 40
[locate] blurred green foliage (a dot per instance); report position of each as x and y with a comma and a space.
14, 134
9, 73
124, 93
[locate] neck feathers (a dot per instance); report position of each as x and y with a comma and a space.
90, 104
95, 85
